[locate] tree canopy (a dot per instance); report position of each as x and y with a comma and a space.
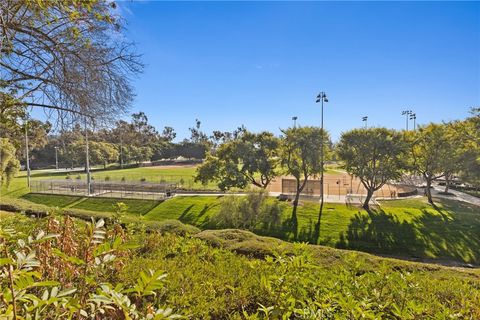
250, 158
67, 56
374, 155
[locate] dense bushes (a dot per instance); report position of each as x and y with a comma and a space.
74, 266
253, 211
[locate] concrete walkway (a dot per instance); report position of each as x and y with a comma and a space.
458, 195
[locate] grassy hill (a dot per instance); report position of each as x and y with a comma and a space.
235, 274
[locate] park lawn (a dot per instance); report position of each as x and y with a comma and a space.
134, 206
51, 200
194, 210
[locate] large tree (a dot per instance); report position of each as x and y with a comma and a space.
469, 130
250, 159
66, 56
300, 155
373, 155
430, 151
9, 165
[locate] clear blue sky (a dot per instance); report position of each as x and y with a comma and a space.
260, 63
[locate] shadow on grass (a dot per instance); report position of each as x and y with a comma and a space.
198, 218
441, 234
51, 200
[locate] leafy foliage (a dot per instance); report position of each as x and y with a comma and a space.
82, 266
249, 158
253, 211
374, 155
9, 165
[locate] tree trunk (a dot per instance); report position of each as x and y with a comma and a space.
367, 199
447, 182
294, 219
428, 191
320, 212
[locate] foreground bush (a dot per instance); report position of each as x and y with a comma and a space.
86, 271
64, 273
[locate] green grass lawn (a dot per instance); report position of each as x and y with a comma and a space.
194, 210
135, 206
51, 200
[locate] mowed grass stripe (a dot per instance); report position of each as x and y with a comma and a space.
135, 206
194, 210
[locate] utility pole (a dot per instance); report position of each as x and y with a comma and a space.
87, 160
121, 151
27, 159
56, 158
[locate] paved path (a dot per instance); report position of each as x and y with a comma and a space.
458, 195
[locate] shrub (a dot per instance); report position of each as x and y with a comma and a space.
107, 178
63, 273
253, 211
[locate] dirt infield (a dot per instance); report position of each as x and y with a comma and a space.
334, 184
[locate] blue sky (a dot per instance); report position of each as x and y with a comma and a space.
260, 63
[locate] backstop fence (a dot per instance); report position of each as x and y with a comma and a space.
107, 189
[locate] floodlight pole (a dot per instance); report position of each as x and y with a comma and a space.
365, 119
294, 122
27, 159
321, 97
407, 114
87, 159
413, 116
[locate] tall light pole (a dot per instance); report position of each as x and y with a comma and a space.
365, 119
87, 160
321, 97
294, 122
413, 116
27, 159
407, 114
56, 158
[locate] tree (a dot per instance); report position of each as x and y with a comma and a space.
102, 153
66, 52
197, 135
168, 134
252, 158
9, 165
455, 140
430, 150
300, 156
374, 155
469, 130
